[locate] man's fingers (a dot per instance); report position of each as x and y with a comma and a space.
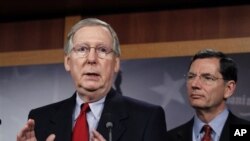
31, 124
51, 137
30, 133
27, 132
97, 136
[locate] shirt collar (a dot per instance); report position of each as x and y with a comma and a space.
217, 123
95, 107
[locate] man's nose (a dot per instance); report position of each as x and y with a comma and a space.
92, 56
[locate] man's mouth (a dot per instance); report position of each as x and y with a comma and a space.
92, 76
195, 96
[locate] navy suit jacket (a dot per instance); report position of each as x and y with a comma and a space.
184, 131
132, 120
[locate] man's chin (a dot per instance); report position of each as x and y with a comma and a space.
90, 88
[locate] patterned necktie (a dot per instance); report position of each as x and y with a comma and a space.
81, 129
207, 136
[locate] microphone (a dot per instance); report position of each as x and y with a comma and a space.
109, 125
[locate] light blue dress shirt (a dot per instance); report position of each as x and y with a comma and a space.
217, 125
93, 116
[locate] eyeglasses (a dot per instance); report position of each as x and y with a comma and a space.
205, 78
83, 51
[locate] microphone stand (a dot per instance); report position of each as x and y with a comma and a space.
109, 125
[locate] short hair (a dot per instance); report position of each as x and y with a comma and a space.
92, 22
228, 67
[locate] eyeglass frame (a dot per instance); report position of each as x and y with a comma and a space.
98, 51
204, 78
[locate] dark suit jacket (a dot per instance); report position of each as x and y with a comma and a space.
132, 120
184, 131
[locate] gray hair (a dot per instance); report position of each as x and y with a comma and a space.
91, 22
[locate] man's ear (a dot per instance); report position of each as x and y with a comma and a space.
67, 62
117, 64
229, 89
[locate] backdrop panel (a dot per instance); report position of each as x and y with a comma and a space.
158, 81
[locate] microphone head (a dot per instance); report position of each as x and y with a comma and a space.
109, 124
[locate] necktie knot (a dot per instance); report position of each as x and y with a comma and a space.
207, 129
85, 107
207, 133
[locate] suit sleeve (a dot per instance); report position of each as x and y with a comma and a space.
156, 129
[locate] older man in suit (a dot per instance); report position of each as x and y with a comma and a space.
211, 80
92, 58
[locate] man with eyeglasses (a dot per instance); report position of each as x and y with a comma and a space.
210, 81
92, 57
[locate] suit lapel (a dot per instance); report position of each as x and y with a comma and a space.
114, 111
187, 132
232, 119
225, 130
61, 122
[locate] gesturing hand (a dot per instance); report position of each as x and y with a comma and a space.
27, 133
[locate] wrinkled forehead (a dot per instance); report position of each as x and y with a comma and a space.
93, 31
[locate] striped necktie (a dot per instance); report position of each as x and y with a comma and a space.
207, 135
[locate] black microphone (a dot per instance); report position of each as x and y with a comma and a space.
109, 125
